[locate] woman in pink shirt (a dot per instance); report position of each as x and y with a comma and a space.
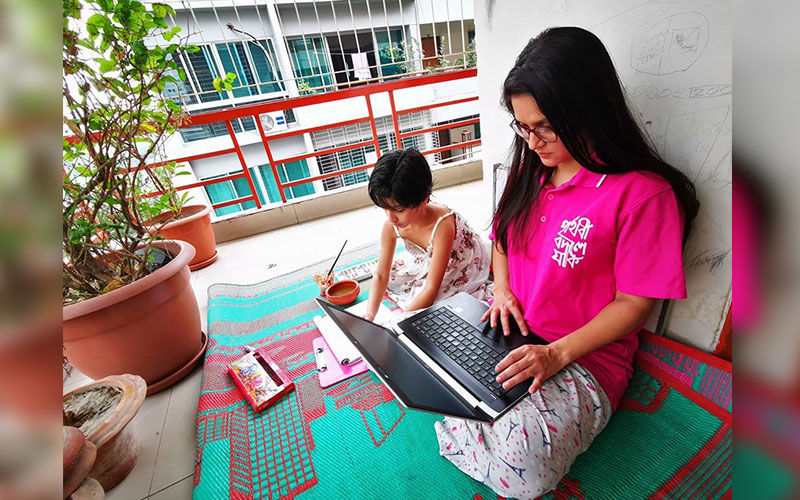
587, 236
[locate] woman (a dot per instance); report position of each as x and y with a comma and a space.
587, 236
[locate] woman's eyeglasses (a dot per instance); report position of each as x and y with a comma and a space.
543, 132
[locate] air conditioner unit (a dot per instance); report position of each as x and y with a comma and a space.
273, 121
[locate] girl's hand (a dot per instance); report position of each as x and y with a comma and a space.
538, 361
369, 316
505, 304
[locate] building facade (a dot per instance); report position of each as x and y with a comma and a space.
279, 49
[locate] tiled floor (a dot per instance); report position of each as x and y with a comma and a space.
165, 424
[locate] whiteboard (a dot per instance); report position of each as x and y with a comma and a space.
674, 60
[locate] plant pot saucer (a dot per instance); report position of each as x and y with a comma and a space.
175, 376
203, 263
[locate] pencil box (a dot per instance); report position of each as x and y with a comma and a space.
260, 379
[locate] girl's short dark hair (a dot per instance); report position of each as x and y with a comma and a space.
400, 179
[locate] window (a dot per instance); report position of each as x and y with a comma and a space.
231, 190
287, 172
386, 51
250, 61
309, 61
202, 70
350, 134
216, 129
235, 59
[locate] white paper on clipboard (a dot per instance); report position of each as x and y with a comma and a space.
342, 348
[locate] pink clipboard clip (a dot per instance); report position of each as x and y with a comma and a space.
328, 368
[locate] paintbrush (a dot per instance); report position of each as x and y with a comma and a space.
336, 259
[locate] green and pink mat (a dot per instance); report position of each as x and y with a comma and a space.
670, 438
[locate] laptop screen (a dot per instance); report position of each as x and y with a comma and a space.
407, 376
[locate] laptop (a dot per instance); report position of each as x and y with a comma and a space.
441, 359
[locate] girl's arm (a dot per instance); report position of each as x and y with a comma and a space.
624, 314
380, 278
442, 246
504, 302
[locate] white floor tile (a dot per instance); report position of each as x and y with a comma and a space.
178, 441
148, 424
182, 490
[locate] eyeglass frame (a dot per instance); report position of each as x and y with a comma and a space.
515, 124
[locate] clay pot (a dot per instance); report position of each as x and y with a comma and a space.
79, 457
343, 292
89, 489
193, 226
150, 327
102, 411
30, 359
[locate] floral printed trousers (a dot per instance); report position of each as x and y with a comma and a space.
528, 450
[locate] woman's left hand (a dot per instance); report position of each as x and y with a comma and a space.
538, 361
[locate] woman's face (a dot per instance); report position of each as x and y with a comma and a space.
403, 216
527, 112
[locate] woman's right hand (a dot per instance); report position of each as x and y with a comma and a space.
369, 316
506, 306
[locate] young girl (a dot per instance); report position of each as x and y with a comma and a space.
443, 255
587, 235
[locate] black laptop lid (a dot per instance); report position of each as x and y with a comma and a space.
410, 380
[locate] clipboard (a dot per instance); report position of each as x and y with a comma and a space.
328, 368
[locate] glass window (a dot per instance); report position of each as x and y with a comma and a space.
219, 193
287, 172
231, 190
235, 61
387, 51
202, 62
269, 81
309, 61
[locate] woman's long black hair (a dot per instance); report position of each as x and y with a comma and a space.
572, 78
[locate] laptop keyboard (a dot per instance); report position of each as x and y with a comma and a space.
457, 338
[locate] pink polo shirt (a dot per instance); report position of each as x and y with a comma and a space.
588, 238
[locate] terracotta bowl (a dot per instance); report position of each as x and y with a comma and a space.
343, 292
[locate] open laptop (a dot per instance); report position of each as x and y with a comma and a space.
441, 359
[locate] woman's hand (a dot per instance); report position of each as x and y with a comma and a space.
369, 316
505, 304
538, 361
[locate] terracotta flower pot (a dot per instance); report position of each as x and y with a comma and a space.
193, 226
150, 327
102, 411
79, 457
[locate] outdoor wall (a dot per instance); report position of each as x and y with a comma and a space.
360, 17
674, 59
244, 18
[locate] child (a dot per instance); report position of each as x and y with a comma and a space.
443, 255
587, 236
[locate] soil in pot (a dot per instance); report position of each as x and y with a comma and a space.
87, 410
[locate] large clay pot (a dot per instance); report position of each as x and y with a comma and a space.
79, 457
193, 226
102, 410
150, 327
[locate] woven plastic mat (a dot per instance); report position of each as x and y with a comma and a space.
671, 436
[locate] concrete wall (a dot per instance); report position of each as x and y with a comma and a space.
691, 128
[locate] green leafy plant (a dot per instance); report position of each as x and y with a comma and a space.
471, 56
224, 83
304, 87
404, 54
118, 59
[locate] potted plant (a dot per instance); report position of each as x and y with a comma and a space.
168, 216
128, 303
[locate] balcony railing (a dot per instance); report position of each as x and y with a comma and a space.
366, 92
